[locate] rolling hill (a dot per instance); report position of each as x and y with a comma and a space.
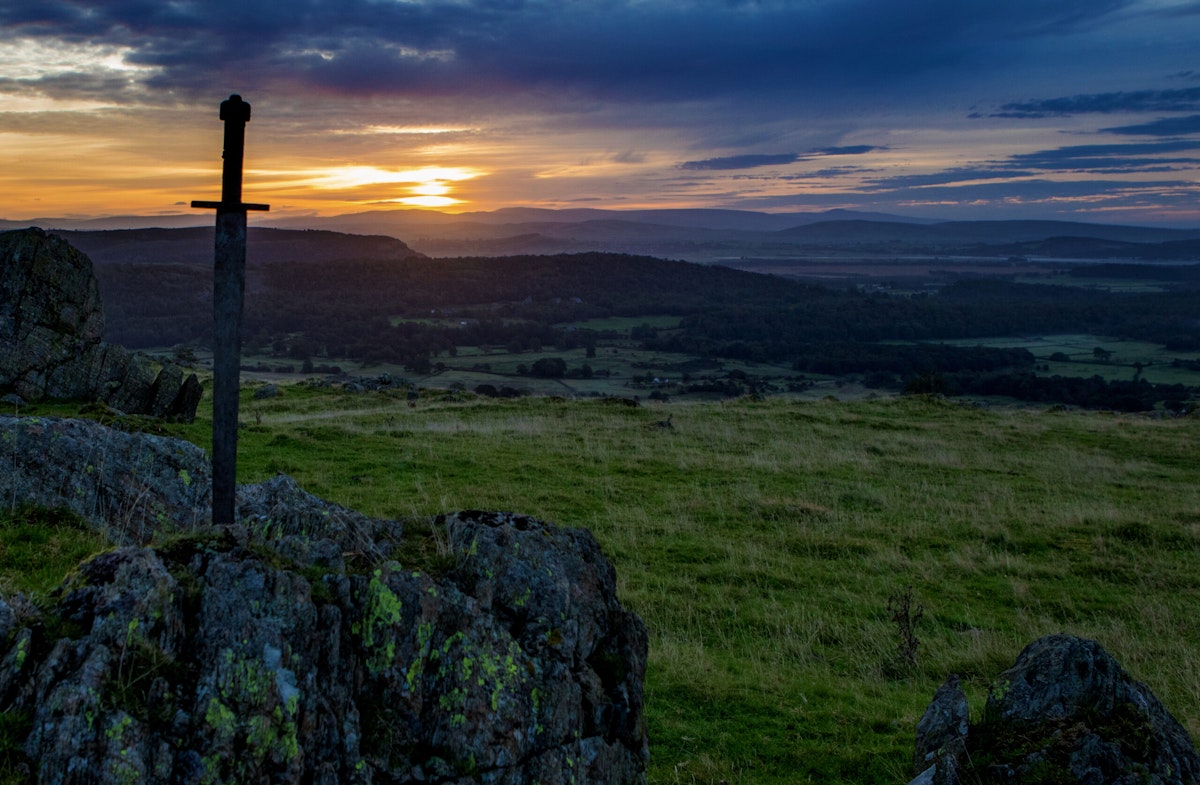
691, 235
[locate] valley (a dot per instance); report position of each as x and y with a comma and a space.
843, 321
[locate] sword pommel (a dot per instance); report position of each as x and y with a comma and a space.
235, 109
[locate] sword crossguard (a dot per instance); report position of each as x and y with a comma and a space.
242, 206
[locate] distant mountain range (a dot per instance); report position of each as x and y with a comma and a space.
694, 235
376, 221
725, 235
708, 220
194, 246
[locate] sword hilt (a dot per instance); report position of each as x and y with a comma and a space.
235, 113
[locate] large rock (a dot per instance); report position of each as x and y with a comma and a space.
51, 330
1066, 711
134, 486
127, 485
942, 729
300, 645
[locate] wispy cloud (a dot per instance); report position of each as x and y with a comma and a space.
857, 149
1167, 126
1104, 159
947, 177
751, 161
1112, 156
740, 162
1185, 99
1037, 198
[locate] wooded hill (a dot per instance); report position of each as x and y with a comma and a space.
317, 295
709, 235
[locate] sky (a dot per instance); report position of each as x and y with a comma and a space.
954, 109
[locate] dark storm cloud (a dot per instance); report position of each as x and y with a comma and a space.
639, 50
752, 161
1186, 99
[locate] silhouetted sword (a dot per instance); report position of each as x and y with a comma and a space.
229, 282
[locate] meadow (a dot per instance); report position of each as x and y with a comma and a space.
765, 544
622, 365
615, 367
1157, 364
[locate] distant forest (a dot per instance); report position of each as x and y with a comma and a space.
363, 310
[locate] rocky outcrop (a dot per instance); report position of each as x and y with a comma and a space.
51, 329
942, 731
1065, 712
127, 485
305, 644
134, 486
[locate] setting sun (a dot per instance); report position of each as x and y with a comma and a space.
430, 186
770, 107
432, 193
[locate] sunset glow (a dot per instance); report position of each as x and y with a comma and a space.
418, 181
347, 186
1049, 109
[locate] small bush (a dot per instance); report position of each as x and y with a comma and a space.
906, 614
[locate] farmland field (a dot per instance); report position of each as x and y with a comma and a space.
1080, 351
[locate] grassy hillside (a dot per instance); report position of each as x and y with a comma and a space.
762, 541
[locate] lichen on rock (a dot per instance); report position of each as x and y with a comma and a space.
1066, 711
127, 485
261, 653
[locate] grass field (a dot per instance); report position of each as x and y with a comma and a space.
761, 542
1120, 365
624, 324
1149, 285
614, 366
618, 361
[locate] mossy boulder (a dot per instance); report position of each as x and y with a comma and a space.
1067, 712
303, 645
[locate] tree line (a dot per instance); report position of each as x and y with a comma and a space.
414, 311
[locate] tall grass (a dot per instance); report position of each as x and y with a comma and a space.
38, 547
761, 541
